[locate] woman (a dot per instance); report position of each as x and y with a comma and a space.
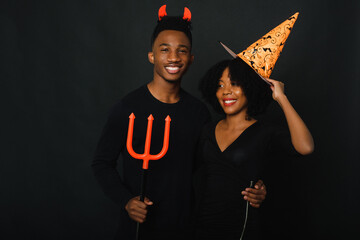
235, 150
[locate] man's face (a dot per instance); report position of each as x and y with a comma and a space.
171, 55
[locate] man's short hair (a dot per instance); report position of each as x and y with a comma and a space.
172, 23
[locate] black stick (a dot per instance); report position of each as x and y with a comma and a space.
142, 198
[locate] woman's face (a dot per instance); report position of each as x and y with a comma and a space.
230, 96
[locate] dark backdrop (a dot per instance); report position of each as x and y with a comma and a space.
64, 63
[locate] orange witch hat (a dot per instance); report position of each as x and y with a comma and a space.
263, 54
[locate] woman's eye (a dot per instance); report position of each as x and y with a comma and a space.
220, 85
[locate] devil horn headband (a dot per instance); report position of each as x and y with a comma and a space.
187, 14
162, 13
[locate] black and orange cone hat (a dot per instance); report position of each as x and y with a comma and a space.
263, 54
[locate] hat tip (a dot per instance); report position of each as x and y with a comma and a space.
294, 16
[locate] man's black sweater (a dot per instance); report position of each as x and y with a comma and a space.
169, 182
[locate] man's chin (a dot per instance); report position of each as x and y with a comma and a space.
173, 80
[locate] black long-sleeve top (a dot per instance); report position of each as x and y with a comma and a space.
169, 182
220, 211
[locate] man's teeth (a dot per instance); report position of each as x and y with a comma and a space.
172, 68
229, 101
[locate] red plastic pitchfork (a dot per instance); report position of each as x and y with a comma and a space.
146, 156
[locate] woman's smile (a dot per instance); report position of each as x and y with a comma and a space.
229, 101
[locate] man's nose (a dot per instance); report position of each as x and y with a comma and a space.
173, 57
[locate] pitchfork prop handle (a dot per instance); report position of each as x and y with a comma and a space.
142, 198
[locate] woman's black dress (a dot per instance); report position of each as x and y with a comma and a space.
221, 176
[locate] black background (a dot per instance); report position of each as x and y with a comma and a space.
64, 63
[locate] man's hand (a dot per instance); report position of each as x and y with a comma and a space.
137, 209
256, 195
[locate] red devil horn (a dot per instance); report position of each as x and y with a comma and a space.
187, 14
162, 12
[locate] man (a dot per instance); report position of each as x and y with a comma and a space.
166, 212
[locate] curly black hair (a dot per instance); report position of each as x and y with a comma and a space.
257, 92
172, 23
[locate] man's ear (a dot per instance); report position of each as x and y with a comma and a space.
151, 57
191, 59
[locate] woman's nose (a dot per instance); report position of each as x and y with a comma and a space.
227, 90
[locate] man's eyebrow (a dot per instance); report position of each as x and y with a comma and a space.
185, 46
168, 45
164, 44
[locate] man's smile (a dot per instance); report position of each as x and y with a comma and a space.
172, 69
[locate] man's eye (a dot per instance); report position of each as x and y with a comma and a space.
164, 50
183, 51
220, 85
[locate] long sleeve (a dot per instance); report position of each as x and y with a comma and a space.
280, 142
110, 145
